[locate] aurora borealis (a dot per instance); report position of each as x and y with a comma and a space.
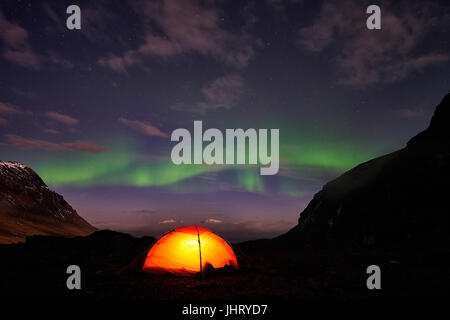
92, 110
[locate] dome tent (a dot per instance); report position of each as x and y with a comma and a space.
187, 251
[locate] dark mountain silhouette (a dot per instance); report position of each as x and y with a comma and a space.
28, 207
398, 198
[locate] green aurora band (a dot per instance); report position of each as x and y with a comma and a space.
120, 167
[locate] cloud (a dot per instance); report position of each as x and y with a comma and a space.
12, 34
145, 211
366, 57
25, 57
401, 70
211, 221
57, 60
17, 48
183, 27
223, 92
81, 146
51, 131
28, 94
120, 64
9, 109
167, 221
142, 127
412, 113
97, 22
62, 118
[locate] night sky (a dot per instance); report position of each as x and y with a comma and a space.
92, 110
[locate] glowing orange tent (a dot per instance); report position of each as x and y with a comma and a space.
187, 251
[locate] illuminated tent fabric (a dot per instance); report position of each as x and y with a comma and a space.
187, 251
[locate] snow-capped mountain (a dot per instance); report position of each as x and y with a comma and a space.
29, 207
